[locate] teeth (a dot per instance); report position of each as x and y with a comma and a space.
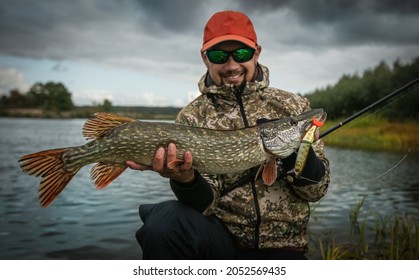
233, 76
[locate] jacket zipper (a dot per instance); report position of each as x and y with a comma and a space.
258, 216
238, 95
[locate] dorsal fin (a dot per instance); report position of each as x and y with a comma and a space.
101, 123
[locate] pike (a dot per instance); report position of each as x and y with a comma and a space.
116, 139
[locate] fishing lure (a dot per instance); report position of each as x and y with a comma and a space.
304, 148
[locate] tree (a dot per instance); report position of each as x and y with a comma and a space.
36, 96
15, 99
58, 97
353, 93
107, 106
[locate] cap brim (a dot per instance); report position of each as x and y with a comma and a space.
224, 38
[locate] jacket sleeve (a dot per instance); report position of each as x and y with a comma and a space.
197, 194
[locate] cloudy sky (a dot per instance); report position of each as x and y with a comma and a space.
138, 52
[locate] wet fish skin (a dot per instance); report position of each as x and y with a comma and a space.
283, 139
116, 139
214, 151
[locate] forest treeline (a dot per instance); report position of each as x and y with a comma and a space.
48, 96
48, 100
355, 92
53, 100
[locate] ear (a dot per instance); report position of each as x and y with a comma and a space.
257, 53
205, 59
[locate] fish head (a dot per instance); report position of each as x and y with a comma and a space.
282, 137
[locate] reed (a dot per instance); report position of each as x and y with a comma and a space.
358, 231
332, 251
396, 237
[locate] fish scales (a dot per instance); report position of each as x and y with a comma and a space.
115, 139
211, 149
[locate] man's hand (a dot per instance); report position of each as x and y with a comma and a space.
183, 172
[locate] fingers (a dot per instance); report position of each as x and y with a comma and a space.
137, 166
159, 160
187, 161
171, 152
181, 170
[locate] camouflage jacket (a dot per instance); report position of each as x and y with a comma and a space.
258, 216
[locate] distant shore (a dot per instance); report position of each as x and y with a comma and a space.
160, 113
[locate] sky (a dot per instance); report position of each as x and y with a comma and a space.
146, 53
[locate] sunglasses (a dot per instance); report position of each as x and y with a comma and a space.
221, 56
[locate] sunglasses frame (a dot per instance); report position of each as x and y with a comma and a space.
231, 53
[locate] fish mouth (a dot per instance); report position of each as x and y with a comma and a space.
282, 137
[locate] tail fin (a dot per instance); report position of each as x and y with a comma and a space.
50, 166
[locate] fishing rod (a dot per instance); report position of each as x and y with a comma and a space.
370, 107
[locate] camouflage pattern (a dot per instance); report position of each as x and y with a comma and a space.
258, 216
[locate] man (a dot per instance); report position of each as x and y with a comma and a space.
233, 216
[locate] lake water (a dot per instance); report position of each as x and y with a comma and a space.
86, 223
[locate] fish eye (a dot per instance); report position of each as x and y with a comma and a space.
293, 121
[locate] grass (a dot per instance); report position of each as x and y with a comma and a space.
374, 133
396, 237
331, 251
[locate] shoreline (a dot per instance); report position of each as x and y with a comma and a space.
86, 112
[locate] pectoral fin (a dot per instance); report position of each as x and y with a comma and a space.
269, 173
174, 163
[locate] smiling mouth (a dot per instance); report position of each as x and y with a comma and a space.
232, 76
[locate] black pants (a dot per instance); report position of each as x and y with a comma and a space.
173, 230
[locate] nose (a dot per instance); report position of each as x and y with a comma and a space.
231, 64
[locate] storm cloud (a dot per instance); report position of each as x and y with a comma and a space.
163, 38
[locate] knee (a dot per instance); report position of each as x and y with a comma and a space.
161, 221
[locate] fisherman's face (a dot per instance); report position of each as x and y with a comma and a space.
232, 72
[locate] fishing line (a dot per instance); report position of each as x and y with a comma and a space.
379, 176
367, 180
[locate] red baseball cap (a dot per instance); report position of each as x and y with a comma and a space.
229, 26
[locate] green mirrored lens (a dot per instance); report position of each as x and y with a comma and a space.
217, 56
242, 55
